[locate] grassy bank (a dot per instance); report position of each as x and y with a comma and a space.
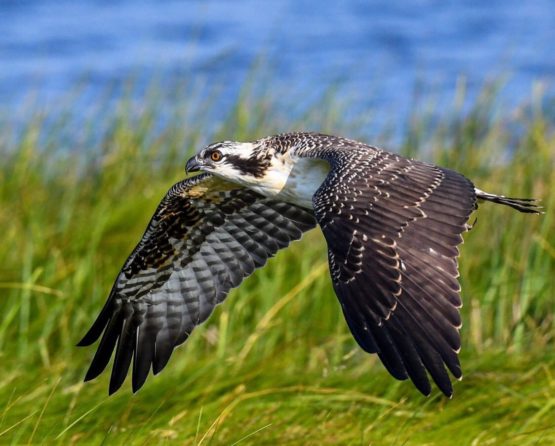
275, 363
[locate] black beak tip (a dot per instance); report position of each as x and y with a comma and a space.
192, 165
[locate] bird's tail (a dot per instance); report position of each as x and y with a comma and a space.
529, 205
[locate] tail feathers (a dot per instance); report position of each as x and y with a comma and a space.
528, 205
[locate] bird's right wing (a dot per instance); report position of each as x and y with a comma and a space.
392, 226
206, 236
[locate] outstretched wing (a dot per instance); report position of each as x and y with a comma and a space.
206, 236
392, 226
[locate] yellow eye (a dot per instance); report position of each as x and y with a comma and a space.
216, 155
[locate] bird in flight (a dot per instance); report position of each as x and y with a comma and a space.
392, 227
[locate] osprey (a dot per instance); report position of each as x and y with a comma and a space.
392, 226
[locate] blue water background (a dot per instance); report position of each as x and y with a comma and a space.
380, 54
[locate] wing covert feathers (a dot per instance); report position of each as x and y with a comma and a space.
393, 226
205, 237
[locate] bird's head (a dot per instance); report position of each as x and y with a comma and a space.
267, 166
245, 163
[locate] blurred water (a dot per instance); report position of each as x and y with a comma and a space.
378, 50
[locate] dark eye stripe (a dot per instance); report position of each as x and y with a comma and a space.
249, 166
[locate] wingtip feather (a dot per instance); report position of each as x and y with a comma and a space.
125, 350
105, 348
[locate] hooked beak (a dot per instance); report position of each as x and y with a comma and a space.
192, 165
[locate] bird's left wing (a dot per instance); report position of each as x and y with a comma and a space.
206, 236
393, 226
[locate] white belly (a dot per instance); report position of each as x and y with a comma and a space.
304, 179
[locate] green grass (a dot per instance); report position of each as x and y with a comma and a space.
275, 364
